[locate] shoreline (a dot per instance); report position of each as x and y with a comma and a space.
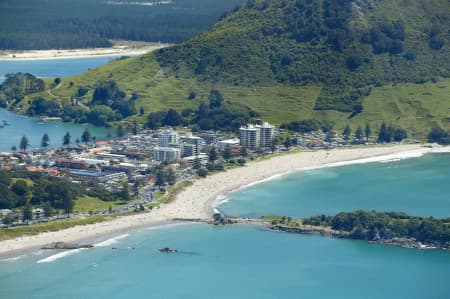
199, 200
118, 49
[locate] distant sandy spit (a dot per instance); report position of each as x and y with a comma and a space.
199, 199
118, 49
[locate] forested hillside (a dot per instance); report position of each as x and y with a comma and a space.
345, 45
346, 62
55, 24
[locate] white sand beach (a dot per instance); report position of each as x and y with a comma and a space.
197, 200
118, 49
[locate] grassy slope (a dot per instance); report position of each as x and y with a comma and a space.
415, 107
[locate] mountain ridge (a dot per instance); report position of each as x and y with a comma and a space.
393, 66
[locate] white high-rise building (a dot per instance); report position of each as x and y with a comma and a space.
249, 137
266, 134
255, 136
167, 137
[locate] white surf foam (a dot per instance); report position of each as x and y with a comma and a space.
111, 241
12, 259
58, 256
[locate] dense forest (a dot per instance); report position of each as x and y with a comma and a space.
372, 225
53, 24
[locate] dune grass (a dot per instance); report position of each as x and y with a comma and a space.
29, 230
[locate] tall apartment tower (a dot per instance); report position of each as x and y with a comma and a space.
249, 137
266, 134
167, 137
255, 136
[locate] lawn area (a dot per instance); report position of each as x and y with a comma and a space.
28, 230
86, 204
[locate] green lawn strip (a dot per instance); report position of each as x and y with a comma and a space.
86, 204
34, 229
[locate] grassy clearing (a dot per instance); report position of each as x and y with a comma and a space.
29, 230
86, 204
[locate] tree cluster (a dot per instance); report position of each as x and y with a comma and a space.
28, 188
217, 114
439, 135
17, 86
389, 133
371, 225
386, 37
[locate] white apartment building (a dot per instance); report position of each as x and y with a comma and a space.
166, 154
167, 136
196, 141
255, 136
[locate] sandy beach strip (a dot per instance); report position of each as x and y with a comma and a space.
116, 50
197, 201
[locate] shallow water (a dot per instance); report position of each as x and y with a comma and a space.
249, 261
419, 186
225, 262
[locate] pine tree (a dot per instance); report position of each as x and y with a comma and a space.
367, 132
86, 136
24, 144
359, 134
347, 131
66, 139
27, 213
45, 140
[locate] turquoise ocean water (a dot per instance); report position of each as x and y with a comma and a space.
419, 186
252, 262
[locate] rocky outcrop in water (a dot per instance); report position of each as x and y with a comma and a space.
168, 250
65, 245
309, 231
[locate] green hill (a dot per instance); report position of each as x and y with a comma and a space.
345, 61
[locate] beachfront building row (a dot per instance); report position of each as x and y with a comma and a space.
256, 136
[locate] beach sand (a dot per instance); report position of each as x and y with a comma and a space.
197, 201
118, 49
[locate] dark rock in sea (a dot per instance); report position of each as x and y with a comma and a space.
64, 245
167, 250
220, 219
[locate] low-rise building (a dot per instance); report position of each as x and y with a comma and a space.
97, 176
70, 163
228, 143
191, 160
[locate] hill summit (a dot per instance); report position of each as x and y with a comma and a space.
347, 46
